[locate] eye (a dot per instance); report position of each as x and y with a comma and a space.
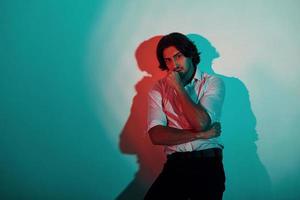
167, 60
179, 55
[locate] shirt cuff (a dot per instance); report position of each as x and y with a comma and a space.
155, 123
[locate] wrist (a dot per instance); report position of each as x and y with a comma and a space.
202, 135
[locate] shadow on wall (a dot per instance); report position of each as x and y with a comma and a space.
246, 176
134, 139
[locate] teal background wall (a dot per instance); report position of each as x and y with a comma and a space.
68, 73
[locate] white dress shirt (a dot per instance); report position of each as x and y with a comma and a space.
165, 109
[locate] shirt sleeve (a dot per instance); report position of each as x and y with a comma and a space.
213, 98
156, 115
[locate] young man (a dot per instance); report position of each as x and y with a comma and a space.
184, 110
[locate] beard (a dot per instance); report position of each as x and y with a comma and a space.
187, 75
182, 75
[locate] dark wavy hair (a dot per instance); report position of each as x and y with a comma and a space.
182, 44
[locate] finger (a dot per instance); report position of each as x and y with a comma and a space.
170, 75
217, 129
169, 72
217, 133
176, 76
217, 123
177, 69
216, 126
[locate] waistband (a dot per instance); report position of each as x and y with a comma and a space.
206, 153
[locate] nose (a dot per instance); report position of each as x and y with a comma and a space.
174, 63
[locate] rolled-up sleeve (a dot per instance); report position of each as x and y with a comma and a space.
213, 98
156, 116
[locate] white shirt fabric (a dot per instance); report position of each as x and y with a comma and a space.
164, 108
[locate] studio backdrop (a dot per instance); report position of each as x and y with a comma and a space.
74, 79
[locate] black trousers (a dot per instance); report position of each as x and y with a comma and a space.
189, 177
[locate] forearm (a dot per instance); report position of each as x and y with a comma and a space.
194, 113
164, 135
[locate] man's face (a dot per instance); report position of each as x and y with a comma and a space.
175, 59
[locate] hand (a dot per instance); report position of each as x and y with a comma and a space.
213, 131
174, 80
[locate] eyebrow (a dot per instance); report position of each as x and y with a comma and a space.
176, 54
